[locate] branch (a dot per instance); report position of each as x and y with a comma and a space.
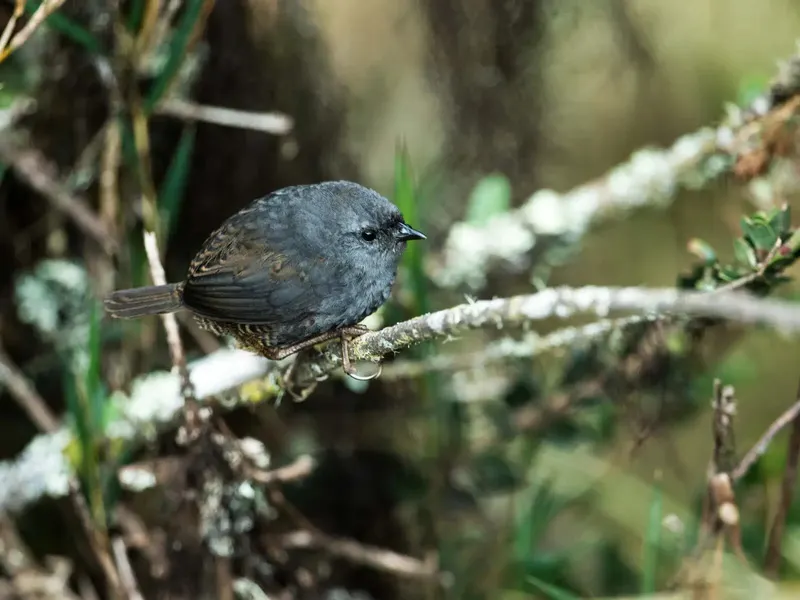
371, 556
651, 177
191, 409
155, 401
23, 391
32, 167
562, 302
268, 122
46, 8
503, 350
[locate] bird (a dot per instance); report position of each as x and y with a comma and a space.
295, 268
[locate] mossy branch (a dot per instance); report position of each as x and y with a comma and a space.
155, 402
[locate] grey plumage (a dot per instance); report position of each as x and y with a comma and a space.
294, 265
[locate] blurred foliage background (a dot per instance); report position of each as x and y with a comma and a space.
455, 110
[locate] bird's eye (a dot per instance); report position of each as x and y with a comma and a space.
368, 235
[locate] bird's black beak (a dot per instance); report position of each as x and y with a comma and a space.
405, 233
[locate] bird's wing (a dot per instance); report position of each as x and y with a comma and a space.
241, 276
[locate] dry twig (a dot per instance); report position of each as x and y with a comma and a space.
46, 8
761, 446
300, 468
370, 556
30, 400
26, 395
126, 574
772, 562
28, 579
269, 122
19, 8
192, 409
35, 170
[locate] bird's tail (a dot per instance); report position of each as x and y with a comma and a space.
142, 301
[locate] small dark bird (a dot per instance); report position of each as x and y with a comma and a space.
300, 266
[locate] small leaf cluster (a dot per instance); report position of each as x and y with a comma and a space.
768, 245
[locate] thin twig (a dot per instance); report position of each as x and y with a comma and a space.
300, 468
19, 8
46, 8
224, 579
158, 33
724, 405
30, 400
192, 409
26, 395
108, 181
772, 561
35, 170
126, 575
370, 556
761, 446
98, 541
151, 544
269, 122
28, 579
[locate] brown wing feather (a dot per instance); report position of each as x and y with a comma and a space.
241, 276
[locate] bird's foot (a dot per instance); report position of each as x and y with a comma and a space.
346, 336
288, 385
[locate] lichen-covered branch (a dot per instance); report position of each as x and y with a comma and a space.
562, 302
743, 143
155, 401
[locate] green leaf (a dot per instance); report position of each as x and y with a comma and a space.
180, 41
171, 195
69, 28
728, 274
702, 250
532, 523
744, 253
759, 232
781, 220
490, 196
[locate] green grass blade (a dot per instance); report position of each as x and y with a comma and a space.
407, 200
652, 541
95, 392
134, 20
551, 591
69, 28
77, 417
180, 41
170, 197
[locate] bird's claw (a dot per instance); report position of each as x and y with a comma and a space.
353, 372
348, 367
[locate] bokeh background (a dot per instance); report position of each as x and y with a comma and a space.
521, 94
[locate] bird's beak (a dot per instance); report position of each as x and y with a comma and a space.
405, 233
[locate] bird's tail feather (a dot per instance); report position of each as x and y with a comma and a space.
142, 301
